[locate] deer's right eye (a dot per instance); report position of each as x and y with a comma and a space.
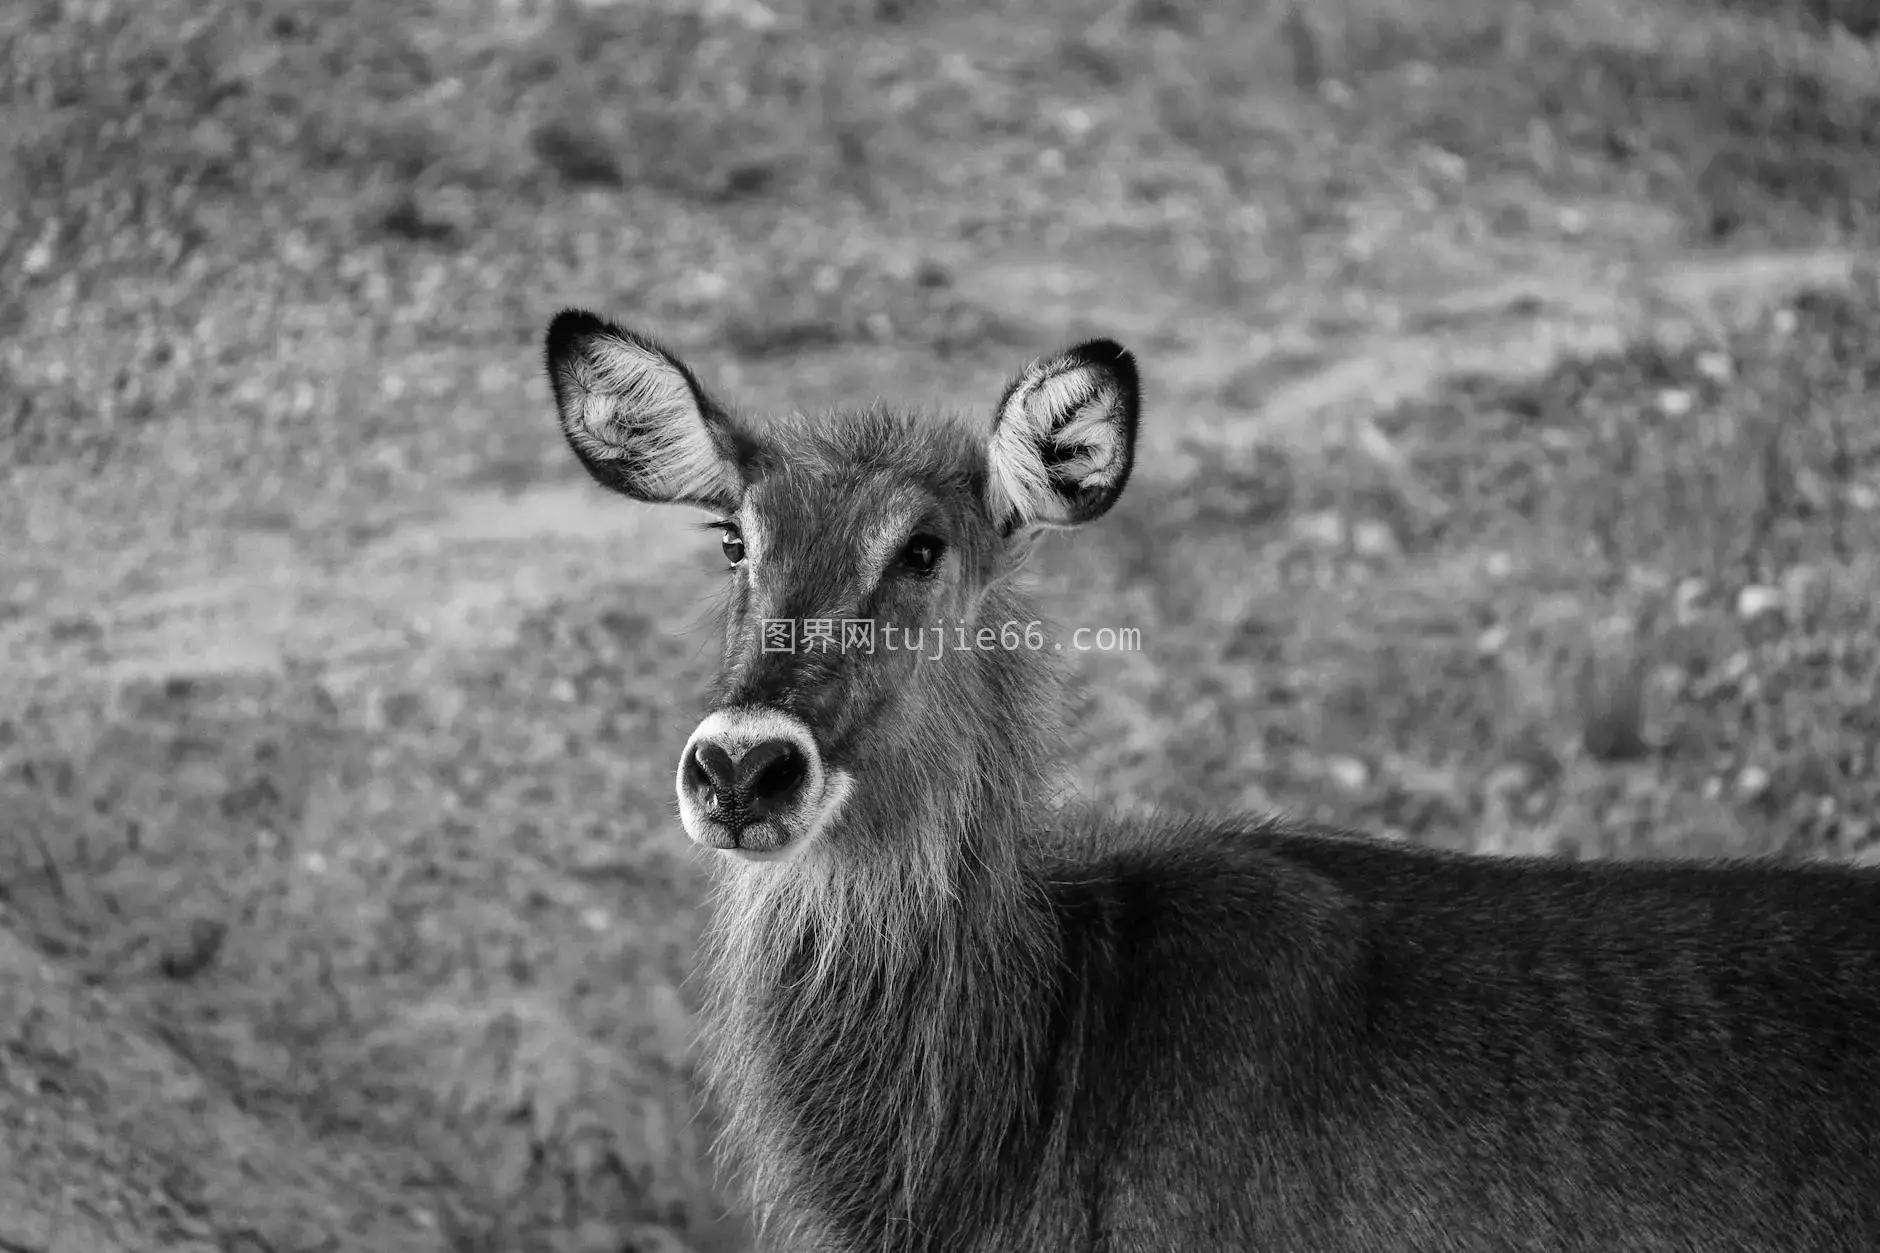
733, 544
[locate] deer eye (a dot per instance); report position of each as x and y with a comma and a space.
733, 542
922, 554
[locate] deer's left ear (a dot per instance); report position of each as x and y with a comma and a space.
1064, 438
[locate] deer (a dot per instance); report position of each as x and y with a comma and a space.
950, 1007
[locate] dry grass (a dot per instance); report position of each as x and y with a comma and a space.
275, 272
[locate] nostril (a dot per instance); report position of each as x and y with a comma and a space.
770, 774
710, 770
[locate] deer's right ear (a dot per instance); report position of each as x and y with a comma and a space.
1063, 439
638, 419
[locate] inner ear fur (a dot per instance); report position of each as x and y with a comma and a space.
1064, 438
637, 417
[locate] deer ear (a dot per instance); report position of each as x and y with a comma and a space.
638, 419
1064, 438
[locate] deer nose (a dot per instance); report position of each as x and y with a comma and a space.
755, 783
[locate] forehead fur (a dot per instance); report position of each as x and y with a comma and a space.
887, 449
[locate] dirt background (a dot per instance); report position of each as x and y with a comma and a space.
1507, 483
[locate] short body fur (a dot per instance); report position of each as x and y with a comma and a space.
1241, 1035
966, 1017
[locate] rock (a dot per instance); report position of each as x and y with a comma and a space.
1756, 599
1348, 773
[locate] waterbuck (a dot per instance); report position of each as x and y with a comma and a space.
949, 1011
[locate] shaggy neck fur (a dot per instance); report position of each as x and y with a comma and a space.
881, 1007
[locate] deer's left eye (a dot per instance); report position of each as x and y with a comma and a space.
922, 554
